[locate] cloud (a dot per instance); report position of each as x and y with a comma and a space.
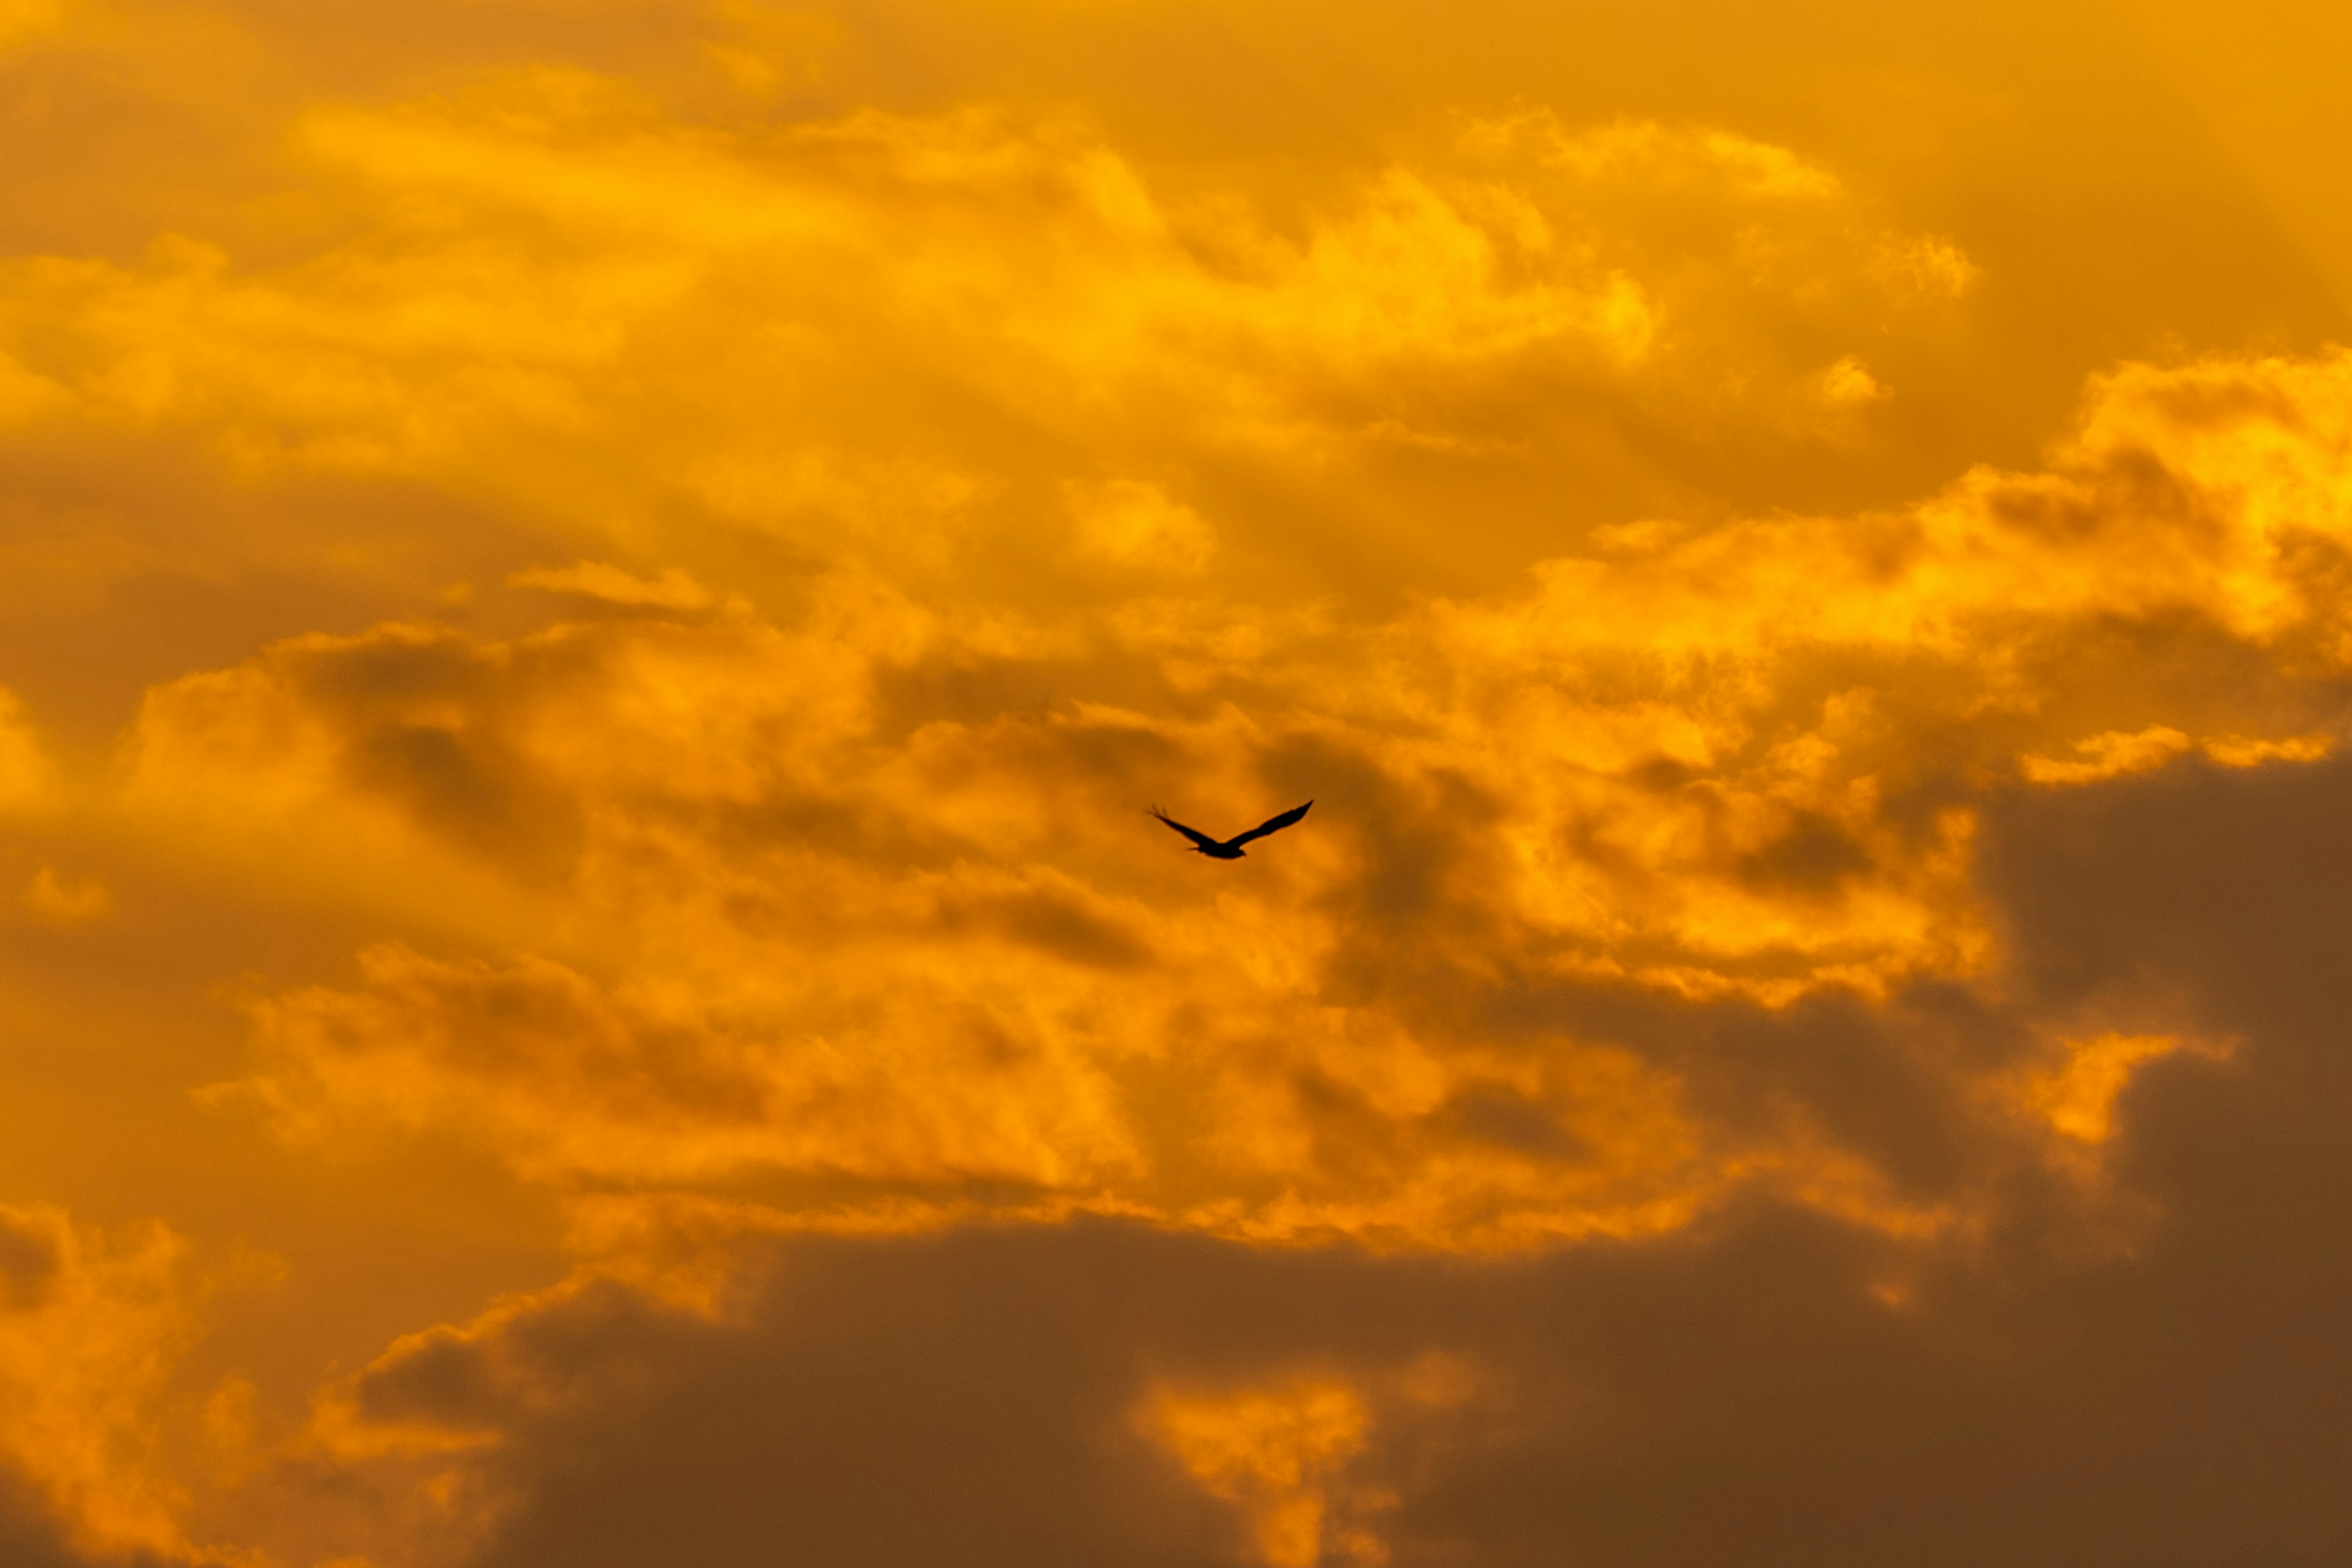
2079, 1098
597, 581
2114, 753
1131, 523
59, 901
885, 1454
22, 394
839, 913
1771, 1375
27, 774
542, 308
2111, 753
1274, 1452
573, 1082
90, 1324
1696, 1085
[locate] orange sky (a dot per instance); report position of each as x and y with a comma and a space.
594, 592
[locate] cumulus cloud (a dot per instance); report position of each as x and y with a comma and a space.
817, 903
662, 586
1774, 1375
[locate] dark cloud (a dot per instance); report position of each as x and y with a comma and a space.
29, 1538
1058, 925
29, 1261
2148, 1372
1741, 1398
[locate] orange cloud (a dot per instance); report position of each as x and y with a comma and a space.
2111, 754
90, 1325
2077, 1097
595, 580
2115, 754
60, 901
1276, 1453
550, 238
881, 488
26, 776
2239, 751
817, 899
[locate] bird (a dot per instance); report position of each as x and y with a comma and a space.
1231, 849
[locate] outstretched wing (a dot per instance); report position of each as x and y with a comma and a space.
1271, 825
1202, 840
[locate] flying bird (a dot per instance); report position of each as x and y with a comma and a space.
1231, 849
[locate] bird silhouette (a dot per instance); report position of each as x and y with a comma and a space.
1231, 849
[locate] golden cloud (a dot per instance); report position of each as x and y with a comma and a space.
876, 511
90, 1325
549, 262
62, 901
26, 776
1276, 1453
813, 907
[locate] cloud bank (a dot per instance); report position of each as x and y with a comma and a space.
591, 617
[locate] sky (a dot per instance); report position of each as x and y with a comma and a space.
594, 595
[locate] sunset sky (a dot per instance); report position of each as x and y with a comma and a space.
594, 595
